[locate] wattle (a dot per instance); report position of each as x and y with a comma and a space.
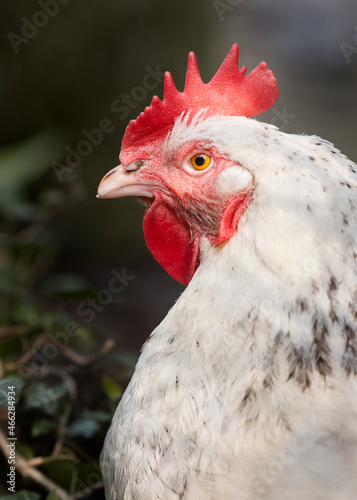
171, 241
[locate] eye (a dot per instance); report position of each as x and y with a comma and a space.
200, 161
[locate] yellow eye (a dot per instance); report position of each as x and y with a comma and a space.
200, 161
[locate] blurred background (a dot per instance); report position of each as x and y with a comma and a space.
73, 73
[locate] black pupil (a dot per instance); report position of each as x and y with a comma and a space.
200, 160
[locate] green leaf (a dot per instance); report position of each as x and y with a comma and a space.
100, 416
60, 471
8, 282
88, 475
83, 427
22, 495
125, 357
87, 425
113, 390
10, 347
52, 495
15, 206
26, 314
52, 197
25, 161
68, 286
44, 397
16, 383
24, 450
42, 426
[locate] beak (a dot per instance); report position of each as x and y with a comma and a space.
119, 182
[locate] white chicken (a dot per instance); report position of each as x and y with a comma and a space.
247, 390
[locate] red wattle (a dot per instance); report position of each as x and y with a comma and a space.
170, 241
231, 216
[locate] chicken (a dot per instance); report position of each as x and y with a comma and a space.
247, 390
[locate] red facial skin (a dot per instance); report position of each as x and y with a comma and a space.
185, 204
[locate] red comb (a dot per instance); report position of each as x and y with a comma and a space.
229, 93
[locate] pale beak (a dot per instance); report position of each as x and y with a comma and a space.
119, 182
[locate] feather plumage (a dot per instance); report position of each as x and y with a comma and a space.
247, 390
257, 359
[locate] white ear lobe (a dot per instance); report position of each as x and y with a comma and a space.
233, 179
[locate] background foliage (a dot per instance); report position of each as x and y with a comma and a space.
67, 341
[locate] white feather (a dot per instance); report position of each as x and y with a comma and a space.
247, 390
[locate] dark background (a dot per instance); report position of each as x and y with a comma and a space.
66, 77
62, 77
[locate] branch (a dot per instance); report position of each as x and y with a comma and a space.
28, 354
87, 491
10, 331
80, 360
27, 471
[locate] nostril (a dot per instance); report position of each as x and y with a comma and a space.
131, 168
110, 173
134, 166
